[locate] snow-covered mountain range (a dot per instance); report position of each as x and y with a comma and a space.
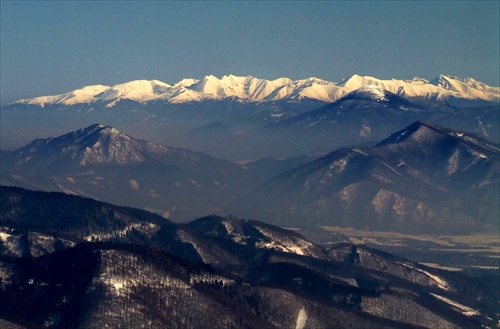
251, 89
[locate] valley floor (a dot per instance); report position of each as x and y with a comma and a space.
448, 252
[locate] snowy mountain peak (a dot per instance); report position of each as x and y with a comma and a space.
94, 145
443, 81
252, 89
356, 81
469, 87
96, 128
137, 90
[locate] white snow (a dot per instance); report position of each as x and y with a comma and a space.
253, 89
116, 283
301, 319
339, 166
372, 92
10, 243
146, 228
84, 95
229, 226
39, 244
295, 249
466, 310
277, 246
283, 243
440, 282
4, 236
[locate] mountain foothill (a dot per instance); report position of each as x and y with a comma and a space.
73, 262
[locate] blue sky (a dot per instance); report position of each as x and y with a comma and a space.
54, 47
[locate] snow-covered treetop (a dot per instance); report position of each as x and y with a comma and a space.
252, 89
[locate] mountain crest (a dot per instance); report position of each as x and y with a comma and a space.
444, 81
419, 130
252, 89
424, 132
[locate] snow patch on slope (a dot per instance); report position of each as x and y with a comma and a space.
301, 319
145, 228
372, 92
283, 243
440, 282
466, 310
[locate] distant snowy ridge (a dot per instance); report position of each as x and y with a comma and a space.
251, 89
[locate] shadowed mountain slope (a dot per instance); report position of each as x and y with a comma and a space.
106, 164
369, 114
424, 178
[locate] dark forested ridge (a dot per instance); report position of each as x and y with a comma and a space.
71, 262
